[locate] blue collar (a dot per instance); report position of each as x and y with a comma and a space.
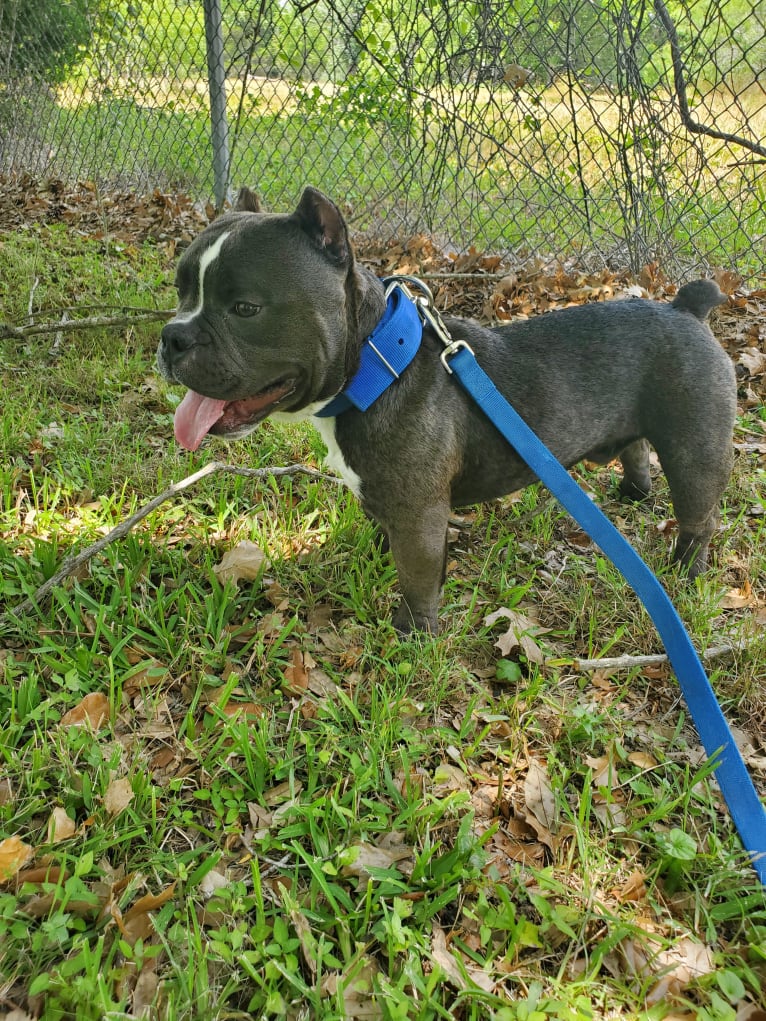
386, 353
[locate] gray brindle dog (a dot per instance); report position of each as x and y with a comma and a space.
272, 314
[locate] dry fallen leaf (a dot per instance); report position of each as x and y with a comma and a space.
118, 796
92, 711
245, 710
302, 927
371, 856
145, 992
42, 874
462, 973
14, 854
297, 673
60, 826
528, 851
518, 635
643, 760
136, 923
604, 770
750, 1012
246, 561
449, 778
737, 598
686, 961
677, 965
357, 987
727, 280
538, 796
754, 360
211, 882
149, 902
633, 889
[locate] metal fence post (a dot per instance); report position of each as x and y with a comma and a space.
216, 76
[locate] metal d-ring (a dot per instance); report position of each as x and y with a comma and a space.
401, 280
451, 350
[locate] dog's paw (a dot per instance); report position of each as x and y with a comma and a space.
405, 621
633, 491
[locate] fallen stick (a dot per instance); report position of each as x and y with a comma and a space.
74, 562
66, 325
628, 662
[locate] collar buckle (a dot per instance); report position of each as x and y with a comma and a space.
385, 353
393, 344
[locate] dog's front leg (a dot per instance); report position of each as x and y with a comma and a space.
419, 549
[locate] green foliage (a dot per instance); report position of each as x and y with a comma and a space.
726, 40
278, 40
135, 39
43, 37
367, 100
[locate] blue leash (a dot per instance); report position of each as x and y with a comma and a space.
732, 775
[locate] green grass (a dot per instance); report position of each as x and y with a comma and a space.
363, 835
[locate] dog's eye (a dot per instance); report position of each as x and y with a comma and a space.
246, 309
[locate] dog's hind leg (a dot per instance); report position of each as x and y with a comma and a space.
697, 473
636, 481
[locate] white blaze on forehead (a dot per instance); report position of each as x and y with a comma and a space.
207, 258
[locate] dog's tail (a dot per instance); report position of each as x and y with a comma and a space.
699, 297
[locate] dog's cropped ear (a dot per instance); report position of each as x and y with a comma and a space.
247, 202
323, 222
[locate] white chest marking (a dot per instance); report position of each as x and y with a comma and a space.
326, 429
335, 460
208, 257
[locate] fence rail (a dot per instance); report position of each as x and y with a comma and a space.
617, 131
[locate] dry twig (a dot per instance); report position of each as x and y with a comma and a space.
74, 562
66, 325
629, 662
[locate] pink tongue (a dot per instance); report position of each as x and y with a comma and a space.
195, 415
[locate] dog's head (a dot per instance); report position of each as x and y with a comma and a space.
265, 306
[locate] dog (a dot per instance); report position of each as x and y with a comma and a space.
274, 312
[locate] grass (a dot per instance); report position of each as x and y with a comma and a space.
281, 809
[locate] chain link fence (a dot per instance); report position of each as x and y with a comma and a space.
618, 131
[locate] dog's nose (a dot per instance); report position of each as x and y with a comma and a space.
177, 337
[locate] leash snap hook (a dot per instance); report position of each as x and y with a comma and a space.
452, 349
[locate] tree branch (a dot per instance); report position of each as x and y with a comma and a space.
629, 662
74, 562
680, 83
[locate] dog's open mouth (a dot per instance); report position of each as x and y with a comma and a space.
196, 416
